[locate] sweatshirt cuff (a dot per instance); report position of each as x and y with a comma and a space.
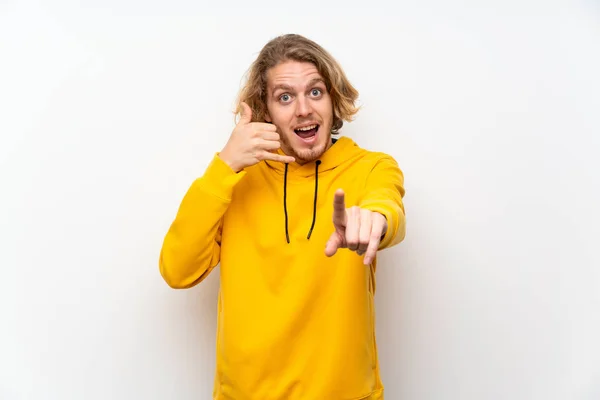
395, 222
219, 179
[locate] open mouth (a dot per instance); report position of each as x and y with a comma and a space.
307, 132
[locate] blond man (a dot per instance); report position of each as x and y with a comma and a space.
294, 215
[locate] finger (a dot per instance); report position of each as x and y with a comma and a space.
353, 228
339, 209
276, 157
364, 234
246, 113
335, 242
268, 135
376, 232
269, 144
264, 126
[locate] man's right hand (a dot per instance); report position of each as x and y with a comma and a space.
252, 142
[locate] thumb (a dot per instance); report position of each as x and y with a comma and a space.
334, 243
246, 113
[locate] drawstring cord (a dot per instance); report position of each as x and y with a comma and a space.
315, 198
287, 234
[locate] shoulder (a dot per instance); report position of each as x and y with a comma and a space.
350, 149
378, 158
381, 166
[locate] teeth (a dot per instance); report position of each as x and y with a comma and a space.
307, 128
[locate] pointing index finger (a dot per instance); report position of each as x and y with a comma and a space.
339, 208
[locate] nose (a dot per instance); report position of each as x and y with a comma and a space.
303, 108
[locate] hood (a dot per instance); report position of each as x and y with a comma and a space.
341, 151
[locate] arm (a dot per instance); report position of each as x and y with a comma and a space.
192, 245
378, 220
383, 193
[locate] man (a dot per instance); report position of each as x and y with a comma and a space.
295, 218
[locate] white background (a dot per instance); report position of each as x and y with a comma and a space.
109, 110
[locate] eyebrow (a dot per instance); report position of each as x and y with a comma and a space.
283, 86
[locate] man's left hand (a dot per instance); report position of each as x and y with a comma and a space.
356, 228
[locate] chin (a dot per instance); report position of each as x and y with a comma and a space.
307, 146
306, 155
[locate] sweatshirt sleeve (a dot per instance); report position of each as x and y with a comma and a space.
192, 245
384, 191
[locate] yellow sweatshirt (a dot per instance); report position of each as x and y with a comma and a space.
293, 324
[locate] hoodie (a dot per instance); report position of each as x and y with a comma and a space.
293, 324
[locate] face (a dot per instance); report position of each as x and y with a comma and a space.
300, 106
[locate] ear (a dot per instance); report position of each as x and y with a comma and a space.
268, 117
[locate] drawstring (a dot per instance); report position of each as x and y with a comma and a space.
287, 234
315, 198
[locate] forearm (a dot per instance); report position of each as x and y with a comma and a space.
191, 247
384, 192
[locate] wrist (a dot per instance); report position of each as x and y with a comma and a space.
227, 160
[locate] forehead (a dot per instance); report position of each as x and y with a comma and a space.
292, 73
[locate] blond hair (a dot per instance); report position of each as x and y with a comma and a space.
293, 47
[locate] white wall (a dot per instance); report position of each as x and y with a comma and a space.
109, 111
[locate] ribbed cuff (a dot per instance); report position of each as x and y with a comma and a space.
219, 179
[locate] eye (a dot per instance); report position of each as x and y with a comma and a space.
315, 92
285, 97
